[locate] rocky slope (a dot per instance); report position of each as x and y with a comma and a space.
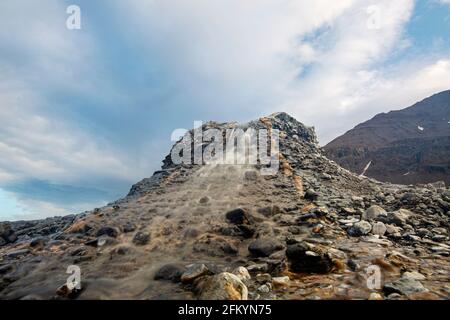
406, 146
311, 231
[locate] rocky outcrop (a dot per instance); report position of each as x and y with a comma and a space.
406, 146
310, 230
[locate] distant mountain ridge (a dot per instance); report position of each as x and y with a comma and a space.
405, 146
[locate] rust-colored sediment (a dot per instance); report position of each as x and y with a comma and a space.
286, 168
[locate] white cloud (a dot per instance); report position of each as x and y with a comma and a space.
236, 49
42, 55
318, 61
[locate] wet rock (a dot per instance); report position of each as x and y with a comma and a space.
68, 292
229, 248
269, 211
411, 237
101, 241
394, 296
242, 273
238, 216
264, 247
242, 230
405, 286
422, 232
258, 267
264, 288
5, 268
17, 253
108, 231
360, 228
128, 227
353, 265
141, 238
214, 246
170, 272
439, 238
224, 286
194, 271
34, 297
373, 213
311, 194
246, 231
38, 242
320, 211
378, 228
302, 258
7, 235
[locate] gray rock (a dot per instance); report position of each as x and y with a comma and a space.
264, 247
69, 293
413, 275
170, 272
405, 286
360, 228
7, 235
141, 238
378, 228
399, 217
310, 194
194, 271
264, 288
5, 268
259, 267
303, 258
17, 253
128, 227
38, 242
104, 241
373, 213
238, 216
108, 231
353, 265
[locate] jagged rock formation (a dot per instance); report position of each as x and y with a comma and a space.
406, 146
310, 231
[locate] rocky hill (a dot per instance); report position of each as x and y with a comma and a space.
406, 146
313, 230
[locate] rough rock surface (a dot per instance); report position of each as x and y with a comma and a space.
177, 226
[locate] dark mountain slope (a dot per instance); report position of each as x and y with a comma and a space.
404, 146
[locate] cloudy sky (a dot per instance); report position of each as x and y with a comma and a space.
86, 113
